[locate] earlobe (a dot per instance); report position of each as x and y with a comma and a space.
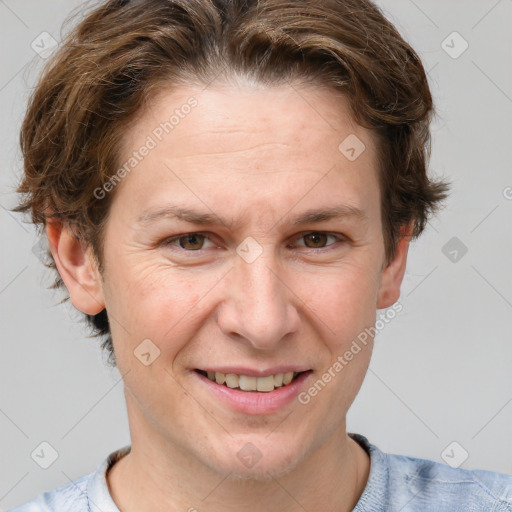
77, 268
393, 274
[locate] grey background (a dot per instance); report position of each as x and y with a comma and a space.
441, 369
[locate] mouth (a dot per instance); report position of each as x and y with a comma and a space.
242, 382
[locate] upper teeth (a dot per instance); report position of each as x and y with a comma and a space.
247, 383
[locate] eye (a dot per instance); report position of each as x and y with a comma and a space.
190, 242
194, 242
318, 239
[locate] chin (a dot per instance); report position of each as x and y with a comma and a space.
261, 473
264, 464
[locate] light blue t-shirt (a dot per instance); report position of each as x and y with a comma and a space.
396, 483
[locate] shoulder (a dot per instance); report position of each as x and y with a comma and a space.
71, 496
82, 495
428, 483
400, 482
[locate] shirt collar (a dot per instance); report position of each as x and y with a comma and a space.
98, 495
374, 495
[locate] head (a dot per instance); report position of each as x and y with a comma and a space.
259, 117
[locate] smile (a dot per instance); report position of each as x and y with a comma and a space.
251, 383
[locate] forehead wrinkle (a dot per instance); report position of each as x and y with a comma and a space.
206, 153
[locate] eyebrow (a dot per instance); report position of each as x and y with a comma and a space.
203, 218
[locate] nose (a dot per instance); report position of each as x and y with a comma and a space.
259, 306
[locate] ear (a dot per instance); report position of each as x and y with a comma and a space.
393, 274
77, 267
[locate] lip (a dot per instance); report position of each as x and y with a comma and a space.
254, 402
242, 370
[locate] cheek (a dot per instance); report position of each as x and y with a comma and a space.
155, 302
347, 312
343, 299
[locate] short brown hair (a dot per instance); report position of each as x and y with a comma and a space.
122, 51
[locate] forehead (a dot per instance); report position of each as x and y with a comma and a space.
289, 114
259, 143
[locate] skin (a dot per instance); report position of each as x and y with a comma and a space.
256, 156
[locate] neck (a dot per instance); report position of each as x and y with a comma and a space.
152, 477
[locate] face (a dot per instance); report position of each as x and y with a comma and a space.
255, 284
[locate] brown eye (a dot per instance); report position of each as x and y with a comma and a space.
316, 239
193, 241
190, 242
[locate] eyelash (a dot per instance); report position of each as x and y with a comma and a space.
339, 238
